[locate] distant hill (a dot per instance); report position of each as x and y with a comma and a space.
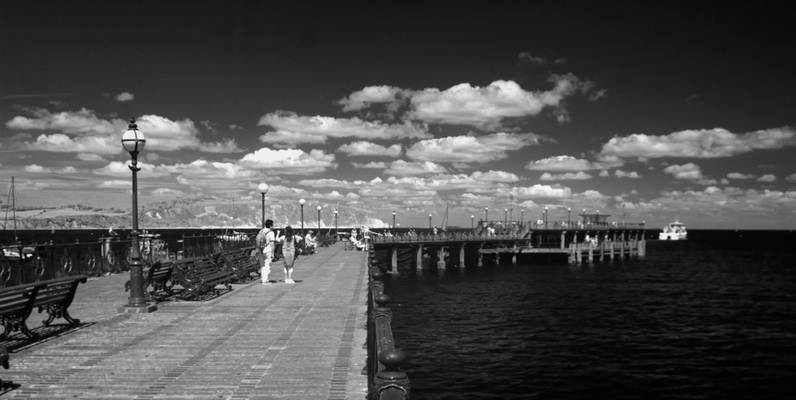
188, 213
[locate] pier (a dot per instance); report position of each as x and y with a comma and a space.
592, 241
301, 341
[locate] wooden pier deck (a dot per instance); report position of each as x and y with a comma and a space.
301, 341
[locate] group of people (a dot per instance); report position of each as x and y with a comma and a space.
267, 240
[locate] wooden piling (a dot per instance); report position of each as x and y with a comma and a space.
419, 257
461, 257
394, 260
441, 264
591, 252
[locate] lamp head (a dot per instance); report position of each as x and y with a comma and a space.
302, 201
263, 187
133, 140
318, 208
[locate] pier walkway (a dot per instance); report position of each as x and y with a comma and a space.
278, 341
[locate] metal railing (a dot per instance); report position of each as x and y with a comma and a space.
385, 379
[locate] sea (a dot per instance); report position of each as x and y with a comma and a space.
713, 317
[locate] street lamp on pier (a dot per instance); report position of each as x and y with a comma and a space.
133, 142
429, 221
319, 219
301, 203
506, 215
545, 217
522, 217
336, 235
472, 222
486, 214
569, 216
393, 222
263, 188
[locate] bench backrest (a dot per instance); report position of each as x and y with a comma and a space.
15, 299
57, 291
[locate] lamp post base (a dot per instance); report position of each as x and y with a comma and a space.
145, 309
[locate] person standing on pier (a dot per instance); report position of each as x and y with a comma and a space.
289, 252
266, 241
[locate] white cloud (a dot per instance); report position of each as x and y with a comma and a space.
83, 131
543, 191
292, 128
495, 176
580, 175
404, 168
604, 173
125, 96
37, 169
629, 174
370, 95
560, 163
121, 169
89, 157
689, 171
371, 165
363, 148
738, 175
470, 149
486, 107
705, 143
791, 177
768, 178
289, 161
116, 184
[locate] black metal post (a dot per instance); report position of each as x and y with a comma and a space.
137, 298
319, 221
302, 219
486, 214
262, 202
393, 222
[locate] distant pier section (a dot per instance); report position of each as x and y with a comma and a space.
591, 239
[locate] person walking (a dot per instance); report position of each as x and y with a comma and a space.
289, 252
266, 242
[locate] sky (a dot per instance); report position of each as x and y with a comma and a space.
647, 111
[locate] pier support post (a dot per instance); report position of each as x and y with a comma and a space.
602, 248
611, 250
394, 260
497, 256
578, 253
441, 258
480, 255
563, 239
514, 255
591, 252
642, 248
572, 259
461, 257
419, 257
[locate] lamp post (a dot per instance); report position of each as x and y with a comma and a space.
336, 236
506, 215
301, 203
472, 222
569, 216
429, 221
133, 142
545, 216
319, 219
522, 217
486, 214
263, 188
393, 222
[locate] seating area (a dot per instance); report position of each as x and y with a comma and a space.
54, 296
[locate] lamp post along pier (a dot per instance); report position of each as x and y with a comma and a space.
263, 188
301, 203
133, 142
319, 219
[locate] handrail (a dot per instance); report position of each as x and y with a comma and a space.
386, 380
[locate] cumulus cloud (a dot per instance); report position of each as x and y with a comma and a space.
580, 175
404, 168
289, 161
371, 165
89, 157
83, 131
291, 128
791, 177
626, 174
738, 175
121, 169
470, 149
689, 171
495, 176
705, 143
560, 163
767, 178
486, 107
168, 192
363, 148
37, 169
116, 184
125, 96
370, 95
543, 191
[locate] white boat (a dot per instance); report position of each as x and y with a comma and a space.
674, 231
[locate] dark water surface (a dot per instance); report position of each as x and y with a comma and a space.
710, 318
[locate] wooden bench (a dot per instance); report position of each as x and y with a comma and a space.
242, 262
159, 277
199, 276
54, 295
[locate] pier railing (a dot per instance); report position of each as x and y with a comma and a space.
385, 379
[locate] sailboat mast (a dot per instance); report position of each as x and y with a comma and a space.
14, 208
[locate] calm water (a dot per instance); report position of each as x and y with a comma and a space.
711, 318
